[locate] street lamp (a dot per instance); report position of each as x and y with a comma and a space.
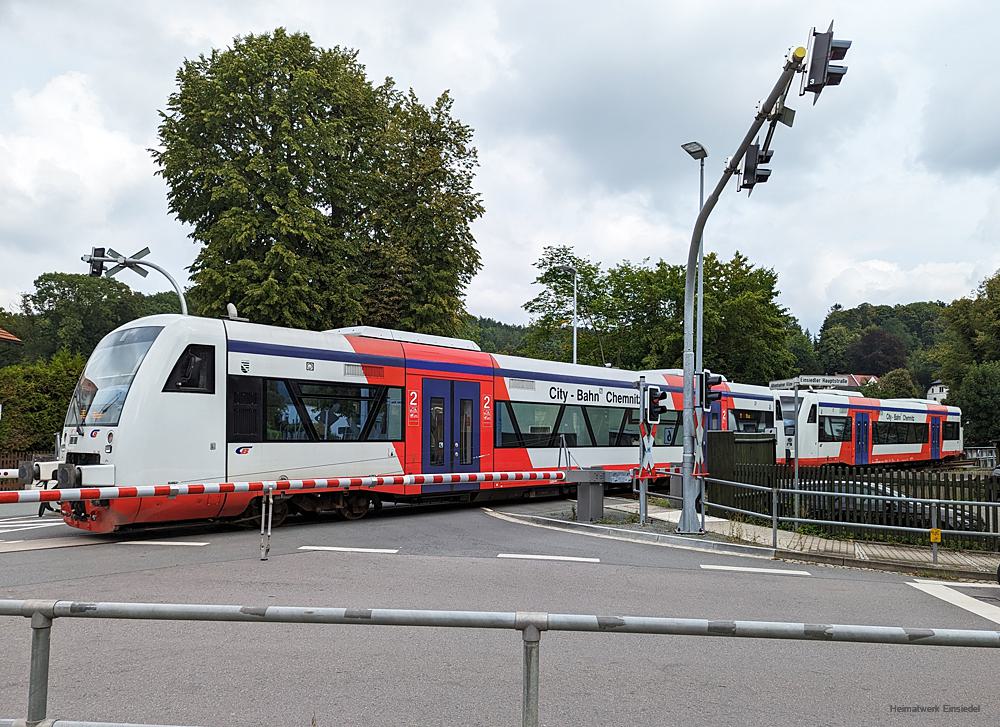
698, 152
576, 274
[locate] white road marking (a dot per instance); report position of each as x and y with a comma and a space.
958, 584
970, 604
8, 542
162, 542
338, 549
528, 556
20, 546
741, 569
18, 527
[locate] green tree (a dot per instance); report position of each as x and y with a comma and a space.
34, 397
319, 199
972, 332
876, 352
896, 384
632, 315
832, 348
979, 399
801, 346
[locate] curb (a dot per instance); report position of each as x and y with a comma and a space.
638, 536
885, 565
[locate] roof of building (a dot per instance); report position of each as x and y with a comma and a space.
8, 336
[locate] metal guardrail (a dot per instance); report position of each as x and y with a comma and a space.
775, 518
531, 624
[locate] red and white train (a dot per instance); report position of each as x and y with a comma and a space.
178, 399
842, 427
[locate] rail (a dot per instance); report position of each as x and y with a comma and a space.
776, 518
531, 624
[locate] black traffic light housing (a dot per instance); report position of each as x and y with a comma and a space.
652, 408
708, 382
96, 266
820, 73
753, 173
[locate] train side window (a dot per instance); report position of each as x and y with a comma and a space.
573, 427
812, 415
284, 421
951, 432
835, 429
194, 371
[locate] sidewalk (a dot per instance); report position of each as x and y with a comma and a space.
863, 554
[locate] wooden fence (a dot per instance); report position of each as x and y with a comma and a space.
11, 461
841, 508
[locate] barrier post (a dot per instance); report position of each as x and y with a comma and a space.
774, 515
529, 694
934, 524
38, 684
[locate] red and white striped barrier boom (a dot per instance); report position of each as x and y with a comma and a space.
268, 486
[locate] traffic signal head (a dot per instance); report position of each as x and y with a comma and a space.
652, 406
820, 73
709, 381
752, 171
96, 266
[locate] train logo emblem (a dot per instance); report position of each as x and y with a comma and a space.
245, 367
243, 450
93, 433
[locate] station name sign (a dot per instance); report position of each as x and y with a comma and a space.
810, 381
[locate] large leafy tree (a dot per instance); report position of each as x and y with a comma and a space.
70, 312
876, 351
319, 199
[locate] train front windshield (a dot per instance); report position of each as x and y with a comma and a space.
101, 391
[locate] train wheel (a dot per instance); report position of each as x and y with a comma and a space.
356, 506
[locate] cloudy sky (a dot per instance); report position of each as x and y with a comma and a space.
886, 191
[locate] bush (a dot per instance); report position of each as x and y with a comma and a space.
34, 398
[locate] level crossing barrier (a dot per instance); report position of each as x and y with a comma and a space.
531, 624
269, 488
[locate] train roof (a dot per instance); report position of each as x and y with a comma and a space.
406, 337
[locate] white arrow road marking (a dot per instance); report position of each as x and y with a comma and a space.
528, 556
338, 549
741, 569
970, 604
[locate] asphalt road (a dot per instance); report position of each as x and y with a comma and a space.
255, 674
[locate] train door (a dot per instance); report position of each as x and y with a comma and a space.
935, 438
861, 427
450, 426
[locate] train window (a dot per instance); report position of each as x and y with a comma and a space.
194, 371
465, 430
535, 421
750, 420
605, 422
437, 431
951, 431
834, 429
283, 420
812, 415
385, 424
573, 426
630, 432
506, 427
899, 433
668, 431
